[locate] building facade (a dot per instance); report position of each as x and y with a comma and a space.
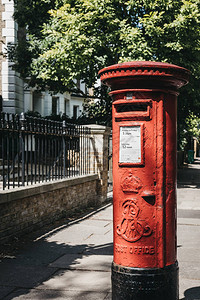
15, 96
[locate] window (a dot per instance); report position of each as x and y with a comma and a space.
86, 89
1, 103
55, 107
75, 111
78, 84
37, 102
67, 107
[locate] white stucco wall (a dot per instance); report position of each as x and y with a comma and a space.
77, 101
12, 85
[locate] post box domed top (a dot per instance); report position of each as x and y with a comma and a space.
144, 74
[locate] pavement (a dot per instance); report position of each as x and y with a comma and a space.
73, 261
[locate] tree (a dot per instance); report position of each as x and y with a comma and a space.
76, 38
192, 129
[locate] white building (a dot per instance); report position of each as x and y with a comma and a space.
15, 97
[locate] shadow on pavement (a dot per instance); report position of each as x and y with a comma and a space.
26, 275
39, 267
188, 186
192, 294
189, 176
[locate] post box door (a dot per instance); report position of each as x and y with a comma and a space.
138, 158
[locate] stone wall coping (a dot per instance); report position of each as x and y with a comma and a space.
98, 129
43, 187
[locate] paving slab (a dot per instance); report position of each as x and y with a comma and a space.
44, 252
109, 296
188, 194
84, 262
22, 294
189, 255
106, 215
4, 291
95, 238
189, 270
77, 236
14, 275
189, 236
81, 233
97, 222
189, 289
191, 221
100, 249
81, 281
189, 213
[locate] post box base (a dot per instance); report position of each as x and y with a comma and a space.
145, 284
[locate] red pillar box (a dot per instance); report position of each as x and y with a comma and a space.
144, 178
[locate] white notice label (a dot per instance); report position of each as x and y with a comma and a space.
130, 144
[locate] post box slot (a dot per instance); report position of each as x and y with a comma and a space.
149, 199
132, 110
137, 107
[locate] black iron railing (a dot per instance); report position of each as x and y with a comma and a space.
34, 150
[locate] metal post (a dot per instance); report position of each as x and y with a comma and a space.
22, 145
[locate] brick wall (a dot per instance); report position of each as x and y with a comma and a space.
29, 208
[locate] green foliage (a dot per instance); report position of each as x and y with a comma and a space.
99, 112
193, 125
74, 39
33, 14
70, 39
34, 114
58, 118
190, 129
